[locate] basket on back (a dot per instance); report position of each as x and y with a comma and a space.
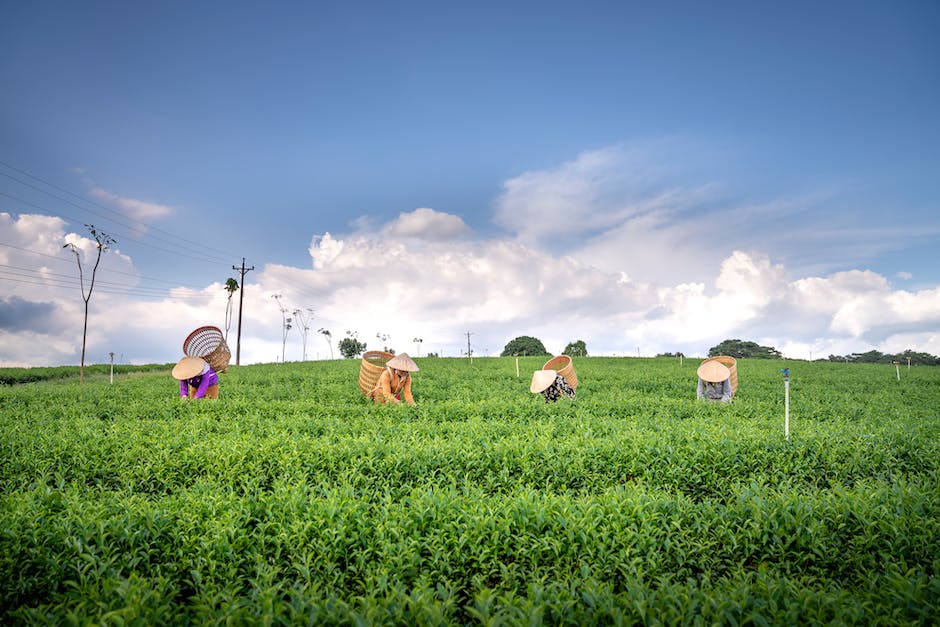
563, 366
732, 364
370, 369
209, 344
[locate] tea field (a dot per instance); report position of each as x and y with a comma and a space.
292, 500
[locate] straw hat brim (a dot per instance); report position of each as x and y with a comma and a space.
713, 372
541, 379
402, 362
189, 367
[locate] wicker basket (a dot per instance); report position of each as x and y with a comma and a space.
370, 369
732, 364
209, 344
563, 366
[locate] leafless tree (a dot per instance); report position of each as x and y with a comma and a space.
329, 339
103, 241
231, 286
285, 323
304, 317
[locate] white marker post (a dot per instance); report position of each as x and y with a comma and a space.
112, 368
517, 366
897, 369
786, 402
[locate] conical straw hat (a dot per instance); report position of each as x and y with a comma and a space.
402, 362
713, 372
541, 379
189, 367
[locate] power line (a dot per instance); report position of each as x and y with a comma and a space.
128, 235
28, 272
199, 245
103, 270
60, 283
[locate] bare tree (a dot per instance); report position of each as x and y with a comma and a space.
385, 341
231, 286
329, 339
102, 242
285, 323
304, 317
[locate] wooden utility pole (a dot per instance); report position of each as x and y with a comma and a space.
241, 299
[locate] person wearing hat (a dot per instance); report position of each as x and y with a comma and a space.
551, 384
197, 378
714, 381
394, 384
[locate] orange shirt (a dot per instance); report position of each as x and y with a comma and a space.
390, 387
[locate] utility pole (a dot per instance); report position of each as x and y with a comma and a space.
469, 354
241, 299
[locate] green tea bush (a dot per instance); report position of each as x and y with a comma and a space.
291, 499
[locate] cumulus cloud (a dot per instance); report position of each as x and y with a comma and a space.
608, 249
427, 224
660, 213
403, 287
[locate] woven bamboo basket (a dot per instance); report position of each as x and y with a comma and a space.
732, 364
563, 366
370, 369
209, 344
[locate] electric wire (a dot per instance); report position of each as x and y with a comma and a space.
60, 283
203, 251
126, 235
199, 245
103, 269
28, 272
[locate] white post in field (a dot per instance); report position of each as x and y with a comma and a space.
517, 366
897, 369
112, 367
786, 402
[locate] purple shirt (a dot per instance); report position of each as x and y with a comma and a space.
201, 382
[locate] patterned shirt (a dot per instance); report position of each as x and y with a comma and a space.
553, 392
715, 391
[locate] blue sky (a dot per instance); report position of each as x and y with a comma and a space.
659, 176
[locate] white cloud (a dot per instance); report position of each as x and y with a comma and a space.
658, 213
131, 207
606, 249
427, 224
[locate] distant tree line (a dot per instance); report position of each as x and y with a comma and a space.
877, 357
740, 349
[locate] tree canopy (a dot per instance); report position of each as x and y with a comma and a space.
524, 345
575, 349
350, 347
740, 349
